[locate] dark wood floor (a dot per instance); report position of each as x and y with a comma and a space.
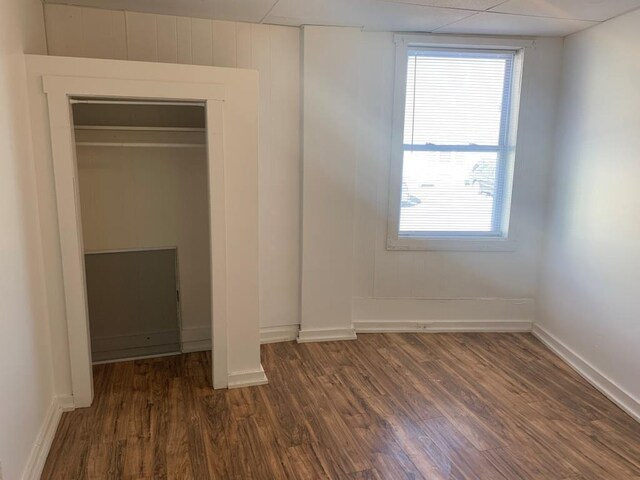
394, 406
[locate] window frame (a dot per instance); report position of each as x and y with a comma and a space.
499, 239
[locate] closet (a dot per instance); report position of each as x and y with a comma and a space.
142, 174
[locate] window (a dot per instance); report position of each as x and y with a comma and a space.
454, 146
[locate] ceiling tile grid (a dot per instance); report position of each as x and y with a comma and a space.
495, 17
594, 10
488, 23
476, 5
369, 14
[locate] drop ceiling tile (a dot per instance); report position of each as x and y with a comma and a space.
598, 10
370, 14
409, 18
237, 10
325, 12
187, 8
478, 5
297, 22
241, 10
505, 24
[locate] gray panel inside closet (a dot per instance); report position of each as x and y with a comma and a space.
133, 304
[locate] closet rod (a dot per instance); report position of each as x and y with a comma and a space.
139, 144
136, 102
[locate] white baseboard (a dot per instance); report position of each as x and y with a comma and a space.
590, 373
196, 346
46, 434
441, 326
247, 379
199, 339
196, 339
284, 333
437, 310
65, 402
326, 335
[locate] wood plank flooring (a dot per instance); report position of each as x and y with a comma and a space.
386, 406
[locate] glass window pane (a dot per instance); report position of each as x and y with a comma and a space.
454, 98
448, 192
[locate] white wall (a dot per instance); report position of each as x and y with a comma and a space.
589, 288
386, 285
152, 197
409, 287
25, 362
272, 50
330, 152
452, 285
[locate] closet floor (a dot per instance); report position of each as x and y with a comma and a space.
386, 406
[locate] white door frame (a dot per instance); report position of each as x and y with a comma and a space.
59, 89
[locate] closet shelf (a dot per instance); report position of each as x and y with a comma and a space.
142, 137
142, 129
141, 144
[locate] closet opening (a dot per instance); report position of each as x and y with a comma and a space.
142, 169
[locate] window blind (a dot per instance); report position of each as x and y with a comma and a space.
455, 142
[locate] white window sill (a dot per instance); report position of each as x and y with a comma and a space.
453, 244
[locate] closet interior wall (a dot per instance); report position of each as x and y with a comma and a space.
143, 188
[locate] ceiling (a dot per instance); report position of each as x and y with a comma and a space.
498, 17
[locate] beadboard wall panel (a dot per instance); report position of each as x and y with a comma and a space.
272, 50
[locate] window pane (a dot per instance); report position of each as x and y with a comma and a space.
448, 192
454, 98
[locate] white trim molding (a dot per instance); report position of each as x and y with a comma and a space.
589, 372
447, 313
65, 402
40, 450
195, 339
58, 88
231, 97
442, 326
248, 378
198, 339
463, 41
502, 237
196, 346
282, 333
326, 335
